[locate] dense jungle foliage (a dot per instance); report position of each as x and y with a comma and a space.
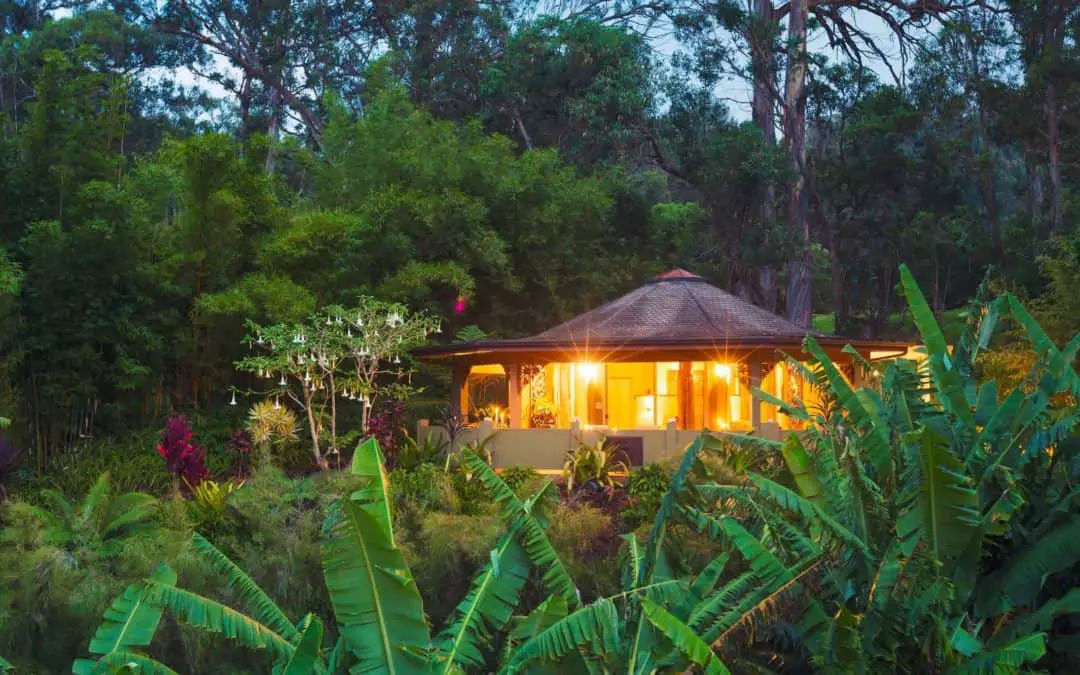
924, 523
195, 194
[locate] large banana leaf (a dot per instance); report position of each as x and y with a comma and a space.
1041, 620
810, 512
946, 376
943, 509
254, 599
4, 665
801, 466
685, 640
130, 622
595, 628
1023, 576
215, 617
490, 604
123, 662
308, 648
519, 515
866, 419
374, 498
1006, 660
375, 598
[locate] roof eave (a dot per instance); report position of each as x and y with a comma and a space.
551, 347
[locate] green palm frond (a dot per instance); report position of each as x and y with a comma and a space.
801, 466
215, 617
764, 564
1057, 364
122, 663
306, 657
546, 614
721, 600
374, 596
595, 628
374, 498
885, 582
683, 637
634, 558
1040, 620
130, 622
489, 605
943, 508
253, 598
866, 420
946, 375
92, 509
1006, 660
703, 585
519, 516
810, 512
1023, 576
128, 512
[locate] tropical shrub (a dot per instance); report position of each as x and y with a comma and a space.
60, 562
518, 476
947, 508
645, 488
425, 488
412, 454
210, 498
185, 459
594, 465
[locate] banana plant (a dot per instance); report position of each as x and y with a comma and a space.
916, 485
379, 613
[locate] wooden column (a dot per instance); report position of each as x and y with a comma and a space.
459, 392
685, 394
513, 399
755, 383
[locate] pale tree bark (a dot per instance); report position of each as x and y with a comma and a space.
799, 277
764, 116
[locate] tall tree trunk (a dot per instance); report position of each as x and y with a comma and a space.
1053, 141
799, 277
764, 116
272, 130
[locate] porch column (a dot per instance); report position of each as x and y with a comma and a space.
459, 393
513, 399
755, 383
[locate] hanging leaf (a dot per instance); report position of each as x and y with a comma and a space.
684, 639
943, 511
374, 498
375, 599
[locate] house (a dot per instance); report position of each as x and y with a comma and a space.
649, 370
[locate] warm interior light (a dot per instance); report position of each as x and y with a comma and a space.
722, 370
735, 407
720, 423
589, 371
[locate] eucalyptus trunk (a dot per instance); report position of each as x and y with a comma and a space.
764, 116
799, 278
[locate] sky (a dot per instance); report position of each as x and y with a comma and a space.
733, 90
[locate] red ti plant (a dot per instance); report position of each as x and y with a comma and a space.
184, 457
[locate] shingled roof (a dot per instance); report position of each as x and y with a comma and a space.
677, 310
676, 305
